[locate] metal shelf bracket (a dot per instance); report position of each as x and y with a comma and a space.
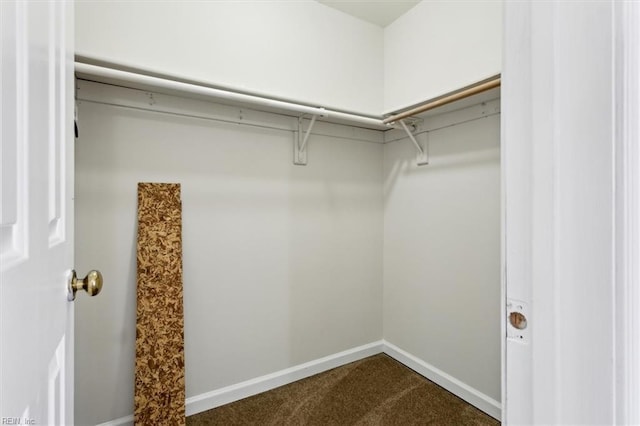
300, 141
423, 153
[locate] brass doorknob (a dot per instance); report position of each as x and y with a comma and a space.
92, 284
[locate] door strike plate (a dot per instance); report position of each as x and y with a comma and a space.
518, 327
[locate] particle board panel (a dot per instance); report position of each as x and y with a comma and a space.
159, 369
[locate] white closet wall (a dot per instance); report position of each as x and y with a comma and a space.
442, 248
286, 264
282, 263
300, 50
440, 46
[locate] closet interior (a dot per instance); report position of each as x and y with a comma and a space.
311, 238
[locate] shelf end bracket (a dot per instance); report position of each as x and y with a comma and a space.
300, 142
423, 154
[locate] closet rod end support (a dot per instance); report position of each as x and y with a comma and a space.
422, 159
421, 147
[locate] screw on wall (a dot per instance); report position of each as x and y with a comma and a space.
151, 100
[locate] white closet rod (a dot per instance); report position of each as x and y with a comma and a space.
163, 83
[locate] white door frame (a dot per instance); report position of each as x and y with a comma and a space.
571, 225
627, 276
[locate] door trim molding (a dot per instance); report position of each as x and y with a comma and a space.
627, 219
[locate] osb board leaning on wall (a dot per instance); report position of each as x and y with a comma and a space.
159, 371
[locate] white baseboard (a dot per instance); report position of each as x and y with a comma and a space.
122, 421
199, 403
450, 383
207, 401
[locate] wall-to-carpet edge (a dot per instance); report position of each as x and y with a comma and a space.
206, 401
450, 383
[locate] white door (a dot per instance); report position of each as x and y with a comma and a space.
36, 218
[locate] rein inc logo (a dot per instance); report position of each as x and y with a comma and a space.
16, 421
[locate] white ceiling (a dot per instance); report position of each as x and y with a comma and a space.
379, 12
